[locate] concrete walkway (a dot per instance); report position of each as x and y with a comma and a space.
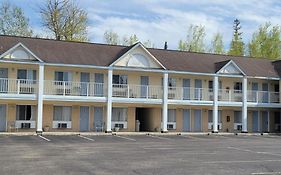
131, 133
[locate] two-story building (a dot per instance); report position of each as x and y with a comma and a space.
72, 86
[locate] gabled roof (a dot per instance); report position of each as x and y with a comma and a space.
224, 65
132, 48
62, 52
17, 46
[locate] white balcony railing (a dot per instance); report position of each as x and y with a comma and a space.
189, 93
137, 91
263, 97
17, 86
230, 95
68, 88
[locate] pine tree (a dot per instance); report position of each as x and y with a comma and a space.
237, 46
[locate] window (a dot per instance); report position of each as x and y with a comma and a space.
25, 112
172, 82
62, 113
24, 74
171, 115
210, 116
119, 114
63, 76
237, 87
211, 85
120, 79
237, 117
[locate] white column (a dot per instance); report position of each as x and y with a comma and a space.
109, 101
215, 103
40, 99
165, 103
244, 106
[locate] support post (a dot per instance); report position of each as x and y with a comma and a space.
215, 104
40, 99
109, 102
165, 103
244, 106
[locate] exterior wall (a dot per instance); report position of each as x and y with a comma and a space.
13, 69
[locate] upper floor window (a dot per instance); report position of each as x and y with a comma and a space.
24, 74
237, 87
120, 79
63, 76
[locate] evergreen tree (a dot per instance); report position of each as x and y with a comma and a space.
237, 46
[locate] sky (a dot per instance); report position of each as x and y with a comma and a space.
166, 20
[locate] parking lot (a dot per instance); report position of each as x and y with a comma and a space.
213, 154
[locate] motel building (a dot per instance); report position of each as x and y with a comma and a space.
59, 86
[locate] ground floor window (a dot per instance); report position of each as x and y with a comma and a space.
210, 119
119, 118
171, 119
62, 117
25, 116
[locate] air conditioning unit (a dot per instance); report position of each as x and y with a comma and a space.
62, 125
119, 125
25, 125
171, 126
239, 127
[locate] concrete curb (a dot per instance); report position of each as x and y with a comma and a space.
134, 133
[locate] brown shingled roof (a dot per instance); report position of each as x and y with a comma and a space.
52, 51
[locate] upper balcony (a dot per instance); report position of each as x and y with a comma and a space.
18, 88
66, 89
27, 89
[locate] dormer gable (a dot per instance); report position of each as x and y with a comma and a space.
229, 67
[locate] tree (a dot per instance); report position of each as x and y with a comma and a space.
266, 42
111, 37
194, 40
13, 21
237, 45
65, 19
217, 45
131, 40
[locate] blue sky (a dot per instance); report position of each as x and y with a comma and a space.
166, 20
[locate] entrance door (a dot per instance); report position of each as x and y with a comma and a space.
198, 89
85, 79
144, 84
265, 93
197, 120
98, 87
3, 80
255, 88
2, 117
255, 121
186, 120
84, 118
264, 116
186, 89
98, 119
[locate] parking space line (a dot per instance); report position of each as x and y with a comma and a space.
87, 138
191, 137
247, 150
164, 138
241, 161
266, 173
127, 138
44, 138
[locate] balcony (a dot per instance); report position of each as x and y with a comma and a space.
263, 97
17, 86
189, 93
68, 88
137, 91
230, 95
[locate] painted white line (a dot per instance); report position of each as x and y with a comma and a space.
44, 138
266, 173
247, 150
163, 138
240, 161
127, 138
87, 138
191, 137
